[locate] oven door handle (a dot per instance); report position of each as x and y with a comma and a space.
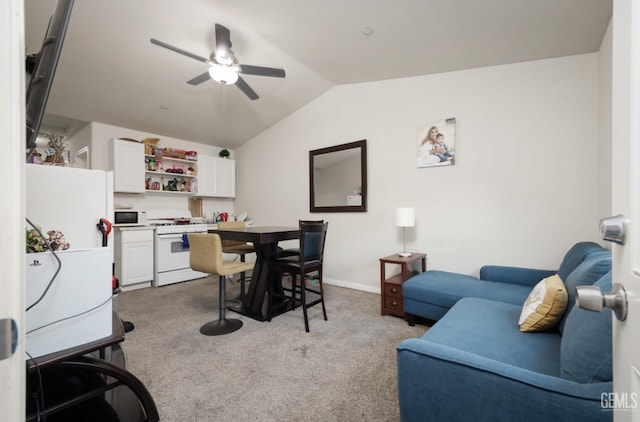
170, 236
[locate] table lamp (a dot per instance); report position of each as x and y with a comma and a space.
405, 217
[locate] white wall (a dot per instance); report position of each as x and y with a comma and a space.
523, 190
79, 140
101, 135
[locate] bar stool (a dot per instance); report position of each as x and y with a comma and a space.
312, 240
236, 247
296, 251
205, 254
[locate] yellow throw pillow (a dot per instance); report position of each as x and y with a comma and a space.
545, 305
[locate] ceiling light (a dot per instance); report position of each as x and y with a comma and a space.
367, 30
223, 59
223, 74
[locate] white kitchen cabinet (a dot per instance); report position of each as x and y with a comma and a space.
216, 177
134, 257
128, 166
226, 177
206, 175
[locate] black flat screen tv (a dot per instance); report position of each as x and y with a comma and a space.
40, 70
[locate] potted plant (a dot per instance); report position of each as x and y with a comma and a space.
224, 153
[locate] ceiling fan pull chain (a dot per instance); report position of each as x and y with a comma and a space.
224, 98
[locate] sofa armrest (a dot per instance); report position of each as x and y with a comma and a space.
440, 383
515, 275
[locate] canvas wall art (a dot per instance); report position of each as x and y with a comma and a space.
437, 144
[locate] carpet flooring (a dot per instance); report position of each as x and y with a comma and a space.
343, 370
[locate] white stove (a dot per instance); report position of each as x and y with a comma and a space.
172, 246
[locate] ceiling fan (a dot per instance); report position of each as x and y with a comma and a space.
224, 67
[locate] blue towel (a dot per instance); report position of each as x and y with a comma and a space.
185, 241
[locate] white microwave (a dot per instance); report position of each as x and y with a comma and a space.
124, 218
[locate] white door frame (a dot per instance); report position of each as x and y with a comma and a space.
625, 200
12, 227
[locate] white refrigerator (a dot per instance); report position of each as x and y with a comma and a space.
68, 299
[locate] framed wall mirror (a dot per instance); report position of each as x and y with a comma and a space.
338, 178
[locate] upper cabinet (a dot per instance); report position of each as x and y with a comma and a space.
216, 177
128, 166
135, 172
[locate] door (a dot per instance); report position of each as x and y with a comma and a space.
171, 252
128, 166
626, 201
226, 178
12, 225
216, 177
206, 175
134, 256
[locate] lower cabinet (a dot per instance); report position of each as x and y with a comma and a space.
133, 249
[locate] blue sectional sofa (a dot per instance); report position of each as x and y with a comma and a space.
474, 363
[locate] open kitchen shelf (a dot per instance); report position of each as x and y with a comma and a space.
164, 173
158, 164
169, 191
173, 160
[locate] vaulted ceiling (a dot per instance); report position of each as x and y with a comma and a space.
109, 71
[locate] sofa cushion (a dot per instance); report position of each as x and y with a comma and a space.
545, 305
587, 273
490, 329
586, 351
442, 289
575, 256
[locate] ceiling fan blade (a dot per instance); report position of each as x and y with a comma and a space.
200, 79
262, 71
179, 50
223, 37
244, 87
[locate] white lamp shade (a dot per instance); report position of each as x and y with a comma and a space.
405, 217
223, 74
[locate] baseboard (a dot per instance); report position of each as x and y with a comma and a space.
351, 285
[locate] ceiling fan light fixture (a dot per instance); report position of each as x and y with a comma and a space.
226, 58
223, 74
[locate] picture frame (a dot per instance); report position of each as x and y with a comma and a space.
436, 144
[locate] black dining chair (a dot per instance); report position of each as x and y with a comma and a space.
296, 251
310, 259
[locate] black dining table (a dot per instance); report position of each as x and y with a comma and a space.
255, 303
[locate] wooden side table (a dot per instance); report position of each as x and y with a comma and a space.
391, 288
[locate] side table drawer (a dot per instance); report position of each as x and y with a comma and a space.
393, 304
391, 301
393, 290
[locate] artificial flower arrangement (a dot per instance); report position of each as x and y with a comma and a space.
36, 243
